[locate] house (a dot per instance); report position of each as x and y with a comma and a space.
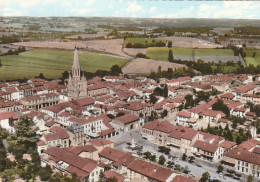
127, 122
244, 158
113, 174
101, 143
149, 171
84, 151
119, 160
252, 98
157, 131
8, 121
210, 117
178, 81
69, 163
183, 117
58, 138
248, 89
183, 138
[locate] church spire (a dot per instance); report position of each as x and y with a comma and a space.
75, 68
75, 64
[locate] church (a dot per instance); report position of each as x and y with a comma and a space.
77, 83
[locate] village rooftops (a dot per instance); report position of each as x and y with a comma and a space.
205, 146
100, 142
79, 149
212, 113
150, 170
227, 95
8, 115
113, 174
179, 132
129, 118
245, 88
181, 178
82, 167
184, 114
163, 126
117, 156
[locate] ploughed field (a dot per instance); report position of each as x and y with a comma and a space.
252, 57
52, 63
161, 53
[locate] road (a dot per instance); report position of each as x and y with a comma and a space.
122, 139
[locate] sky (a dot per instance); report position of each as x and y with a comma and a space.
132, 8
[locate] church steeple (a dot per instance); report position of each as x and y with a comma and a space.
77, 83
75, 68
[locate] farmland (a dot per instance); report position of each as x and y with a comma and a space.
113, 46
161, 53
249, 57
141, 65
144, 41
52, 63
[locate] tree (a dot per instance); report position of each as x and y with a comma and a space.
41, 76
184, 157
170, 44
153, 99
205, 177
238, 140
220, 169
165, 91
250, 178
111, 179
115, 70
0, 63
170, 56
161, 160
220, 106
153, 158
191, 159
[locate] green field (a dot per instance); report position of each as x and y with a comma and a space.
52, 63
141, 40
249, 57
227, 69
161, 53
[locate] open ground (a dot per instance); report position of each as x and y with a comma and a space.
52, 63
249, 57
161, 53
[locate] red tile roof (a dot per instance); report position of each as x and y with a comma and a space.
79, 149
183, 132
100, 142
56, 136
163, 126
41, 143
228, 95
117, 156
181, 178
81, 166
128, 118
150, 170
113, 174
85, 101
8, 115
227, 144
184, 114
212, 113
245, 88
206, 146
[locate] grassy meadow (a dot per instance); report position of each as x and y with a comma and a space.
52, 63
161, 53
249, 59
